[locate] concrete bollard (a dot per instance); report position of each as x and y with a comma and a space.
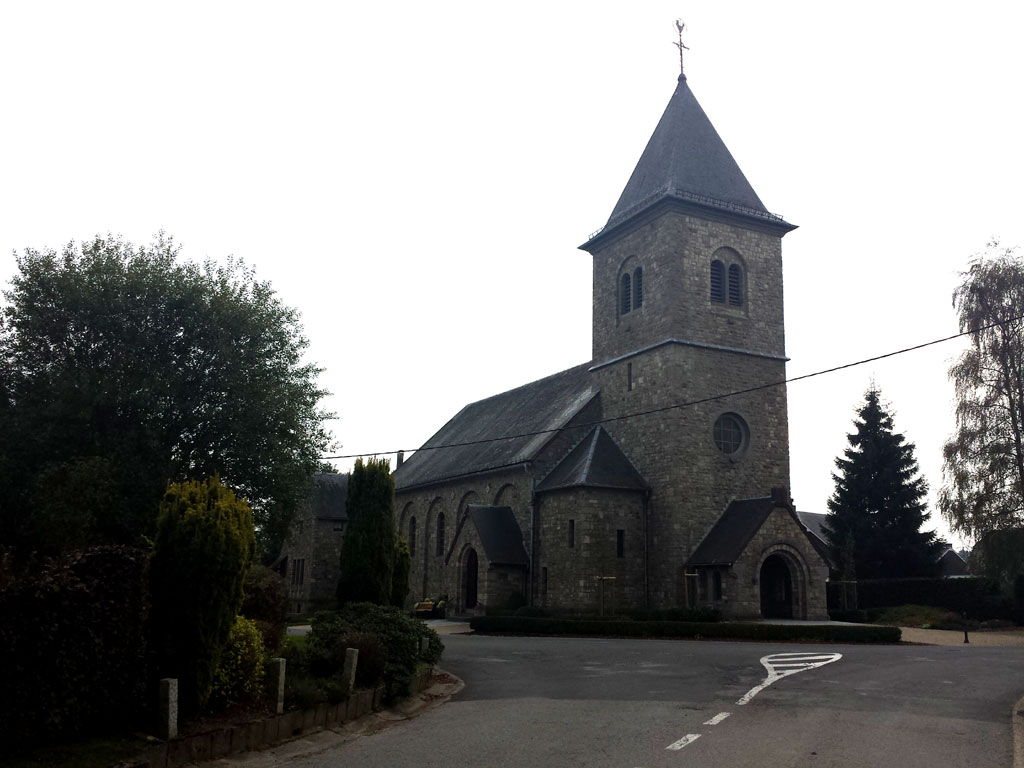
168, 726
348, 671
424, 646
275, 684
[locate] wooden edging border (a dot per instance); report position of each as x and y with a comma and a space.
257, 734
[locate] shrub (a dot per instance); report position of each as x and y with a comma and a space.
400, 574
720, 630
204, 544
265, 601
978, 596
73, 642
239, 675
396, 641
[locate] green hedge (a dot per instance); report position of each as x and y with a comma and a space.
682, 629
73, 644
977, 596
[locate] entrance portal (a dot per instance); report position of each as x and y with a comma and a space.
776, 589
471, 579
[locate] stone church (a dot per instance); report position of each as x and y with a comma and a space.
656, 474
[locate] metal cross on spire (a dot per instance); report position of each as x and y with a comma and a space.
680, 26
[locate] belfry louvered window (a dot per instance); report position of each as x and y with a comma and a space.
624, 293
735, 285
638, 288
717, 281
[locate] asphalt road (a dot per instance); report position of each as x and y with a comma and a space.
624, 703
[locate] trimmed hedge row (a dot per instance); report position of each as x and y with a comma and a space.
825, 633
977, 596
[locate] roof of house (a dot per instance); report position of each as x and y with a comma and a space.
500, 535
686, 155
328, 496
727, 539
595, 461
501, 431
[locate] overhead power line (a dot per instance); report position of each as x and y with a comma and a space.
689, 403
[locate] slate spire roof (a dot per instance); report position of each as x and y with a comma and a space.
686, 159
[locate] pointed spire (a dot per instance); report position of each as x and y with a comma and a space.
687, 160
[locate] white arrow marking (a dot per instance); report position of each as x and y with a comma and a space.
687, 739
780, 665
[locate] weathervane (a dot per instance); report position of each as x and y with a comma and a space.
680, 27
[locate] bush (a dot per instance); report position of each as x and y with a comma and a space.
204, 544
368, 549
978, 596
395, 640
265, 601
400, 574
239, 675
676, 614
73, 642
825, 633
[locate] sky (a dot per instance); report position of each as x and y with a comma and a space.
415, 178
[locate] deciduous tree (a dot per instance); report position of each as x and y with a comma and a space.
983, 473
877, 508
162, 368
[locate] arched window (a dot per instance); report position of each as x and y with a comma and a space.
717, 281
440, 534
638, 288
735, 285
412, 535
624, 294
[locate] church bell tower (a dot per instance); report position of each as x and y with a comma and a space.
687, 309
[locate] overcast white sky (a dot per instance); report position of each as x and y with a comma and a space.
415, 177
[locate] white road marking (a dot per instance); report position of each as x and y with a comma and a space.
717, 718
687, 739
780, 665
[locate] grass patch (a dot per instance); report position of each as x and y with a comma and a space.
922, 616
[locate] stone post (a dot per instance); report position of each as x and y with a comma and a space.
168, 726
424, 646
348, 671
275, 684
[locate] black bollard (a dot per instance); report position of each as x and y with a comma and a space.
965, 627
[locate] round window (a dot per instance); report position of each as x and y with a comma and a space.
730, 434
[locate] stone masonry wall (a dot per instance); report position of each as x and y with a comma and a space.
780, 535
572, 582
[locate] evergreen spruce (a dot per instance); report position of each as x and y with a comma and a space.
400, 574
368, 549
878, 506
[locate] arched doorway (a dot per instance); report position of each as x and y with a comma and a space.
471, 580
776, 589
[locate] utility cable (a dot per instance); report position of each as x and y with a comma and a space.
691, 403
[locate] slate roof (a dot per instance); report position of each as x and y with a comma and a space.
728, 537
329, 496
530, 410
500, 534
596, 461
686, 159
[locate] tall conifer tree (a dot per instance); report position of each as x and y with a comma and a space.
878, 506
368, 549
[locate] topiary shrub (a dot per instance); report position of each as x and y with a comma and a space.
265, 601
204, 544
239, 675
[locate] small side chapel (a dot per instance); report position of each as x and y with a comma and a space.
590, 489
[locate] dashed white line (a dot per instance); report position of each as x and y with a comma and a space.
687, 739
717, 718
